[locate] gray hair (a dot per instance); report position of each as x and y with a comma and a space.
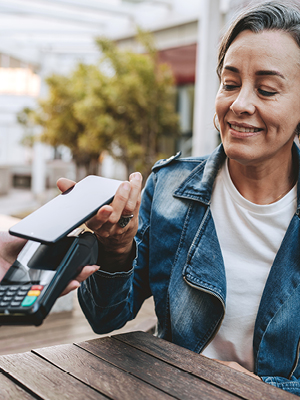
272, 15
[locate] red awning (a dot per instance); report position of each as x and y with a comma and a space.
182, 61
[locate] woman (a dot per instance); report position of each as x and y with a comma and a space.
218, 239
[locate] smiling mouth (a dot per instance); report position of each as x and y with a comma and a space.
242, 129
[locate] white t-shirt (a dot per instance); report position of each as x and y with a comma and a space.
250, 236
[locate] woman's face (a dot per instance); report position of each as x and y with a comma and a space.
258, 102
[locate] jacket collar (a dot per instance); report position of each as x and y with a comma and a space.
199, 184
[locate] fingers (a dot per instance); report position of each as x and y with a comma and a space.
119, 202
126, 202
84, 274
73, 285
107, 216
135, 180
10, 247
64, 184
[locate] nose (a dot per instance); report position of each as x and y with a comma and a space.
244, 103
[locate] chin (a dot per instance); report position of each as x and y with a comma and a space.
240, 153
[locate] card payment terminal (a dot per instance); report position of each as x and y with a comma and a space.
39, 275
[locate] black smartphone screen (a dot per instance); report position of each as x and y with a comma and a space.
67, 211
19, 274
37, 263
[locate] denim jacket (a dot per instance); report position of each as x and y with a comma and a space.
179, 262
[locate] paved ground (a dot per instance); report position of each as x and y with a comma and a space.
21, 201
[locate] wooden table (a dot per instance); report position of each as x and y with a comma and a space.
130, 366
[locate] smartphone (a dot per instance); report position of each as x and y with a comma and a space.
39, 275
60, 216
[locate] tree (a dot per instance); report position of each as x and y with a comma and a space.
125, 105
56, 116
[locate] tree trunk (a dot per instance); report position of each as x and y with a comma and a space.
81, 171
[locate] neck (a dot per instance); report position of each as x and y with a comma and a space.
264, 184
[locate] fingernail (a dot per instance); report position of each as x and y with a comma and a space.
126, 186
136, 175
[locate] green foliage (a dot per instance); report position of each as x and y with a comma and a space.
26, 118
125, 106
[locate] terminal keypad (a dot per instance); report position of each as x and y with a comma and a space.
18, 296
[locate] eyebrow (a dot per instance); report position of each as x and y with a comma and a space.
259, 73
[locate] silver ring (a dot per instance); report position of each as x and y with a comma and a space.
124, 220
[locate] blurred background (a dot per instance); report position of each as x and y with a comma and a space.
68, 109
100, 87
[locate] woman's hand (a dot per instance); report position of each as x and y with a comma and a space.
10, 247
116, 241
105, 224
238, 367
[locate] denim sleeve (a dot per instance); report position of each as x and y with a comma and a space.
109, 300
289, 385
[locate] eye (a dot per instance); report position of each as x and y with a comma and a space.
266, 93
229, 87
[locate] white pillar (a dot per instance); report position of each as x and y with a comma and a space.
38, 169
38, 173
184, 107
184, 111
206, 85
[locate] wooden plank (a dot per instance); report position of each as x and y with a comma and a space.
99, 374
205, 368
9, 390
44, 379
163, 376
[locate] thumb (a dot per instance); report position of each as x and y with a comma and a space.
64, 184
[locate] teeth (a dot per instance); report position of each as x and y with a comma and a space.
241, 129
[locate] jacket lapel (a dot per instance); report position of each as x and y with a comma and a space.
199, 273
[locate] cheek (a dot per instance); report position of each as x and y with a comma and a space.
281, 120
219, 105
284, 115
222, 107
